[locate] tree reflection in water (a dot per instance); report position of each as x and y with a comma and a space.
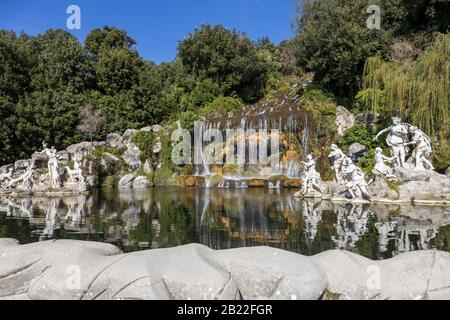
226, 218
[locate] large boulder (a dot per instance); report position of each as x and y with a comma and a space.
126, 181
128, 136
141, 182
191, 181
381, 190
435, 190
75, 270
80, 150
132, 156
344, 120
356, 151
406, 174
414, 275
114, 140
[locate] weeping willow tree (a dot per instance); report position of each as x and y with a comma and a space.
417, 90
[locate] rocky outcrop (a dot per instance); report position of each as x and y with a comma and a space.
447, 172
344, 120
191, 181
132, 156
356, 151
76, 270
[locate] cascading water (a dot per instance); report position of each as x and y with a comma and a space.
283, 113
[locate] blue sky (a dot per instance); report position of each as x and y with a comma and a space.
157, 25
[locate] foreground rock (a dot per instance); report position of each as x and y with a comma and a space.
67, 269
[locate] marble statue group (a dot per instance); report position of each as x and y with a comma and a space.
18, 177
410, 149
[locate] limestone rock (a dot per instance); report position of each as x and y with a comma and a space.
141, 182
356, 151
22, 164
257, 183
405, 174
191, 181
126, 181
344, 120
80, 150
132, 156
192, 272
64, 155
128, 136
157, 147
381, 190
114, 140
148, 167
414, 275
292, 183
157, 128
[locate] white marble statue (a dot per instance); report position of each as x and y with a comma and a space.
311, 178
338, 157
53, 166
355, 179
397, 139
75, 175
380, 165
24, 181
422, 151
6, 177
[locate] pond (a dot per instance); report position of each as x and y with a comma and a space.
226, 218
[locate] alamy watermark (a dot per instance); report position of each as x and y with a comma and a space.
374, 20
230, 146
73, 22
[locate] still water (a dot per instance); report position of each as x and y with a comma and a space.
225, 218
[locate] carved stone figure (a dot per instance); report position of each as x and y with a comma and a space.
24, 181
75, 175
53, 166
397, 139
422, 151
311, 178
6, 177
355, 179
380, 165
338, 157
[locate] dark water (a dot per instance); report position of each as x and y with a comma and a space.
221, 219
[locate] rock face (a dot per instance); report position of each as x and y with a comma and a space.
114, 140
126, 181
356, 151
381, 190
447, 172
141, 182
66, 269
132, 156
344, 120
79, 150
191, 182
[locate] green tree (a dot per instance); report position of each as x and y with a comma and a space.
107, 38
227, 57
61, 63
334, 41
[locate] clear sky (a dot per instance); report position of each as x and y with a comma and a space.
156, 25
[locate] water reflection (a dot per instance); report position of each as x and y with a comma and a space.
221, 219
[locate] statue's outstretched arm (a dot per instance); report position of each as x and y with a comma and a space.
382, 132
